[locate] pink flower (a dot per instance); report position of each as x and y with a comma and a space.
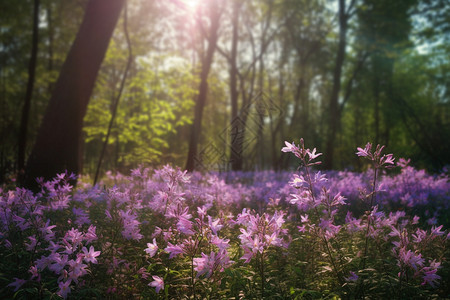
387, 159
152, 248
437, 230
90, 236
247, 255
185, 226
157, 283
214, 225
290, 148
312, 155
273, 239
34, 273
90, 256
208, 264
222, 244
297, 181
411, 259
173, 250
201, 211
130, 225
364, 152
74, 236
203, 265
338, 200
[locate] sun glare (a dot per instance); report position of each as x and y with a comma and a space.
190, 4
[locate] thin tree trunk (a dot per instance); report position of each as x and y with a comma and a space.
334, 113
236, 130
203, 88
30, 85
57, 148
119, 95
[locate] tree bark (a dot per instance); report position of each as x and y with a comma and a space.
57, 148
203, 88
236, 130
30, 85
334, 111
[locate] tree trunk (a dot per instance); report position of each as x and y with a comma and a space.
203, 88
236, 130
334, 113
57, 147
51, 37
29, 93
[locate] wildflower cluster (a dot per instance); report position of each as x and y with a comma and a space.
166, 234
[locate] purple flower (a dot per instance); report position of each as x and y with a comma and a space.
130, 225
47, 231
58, 262
185, 226
411, 259
214, 225
437, 230
157, 283
365, 152
74, 236
81, 216
204, 264
207, 264
222, 244
247, 255
353, 277
17, 283
77, 268
202, 211
90, 236
431, 278
173, 250
430, 275
387, 159
33, 242
64, 288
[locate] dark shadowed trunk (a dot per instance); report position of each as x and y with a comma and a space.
51, 37
203, 88
29, 93
58, 143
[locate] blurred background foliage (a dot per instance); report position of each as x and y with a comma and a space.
276, 59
